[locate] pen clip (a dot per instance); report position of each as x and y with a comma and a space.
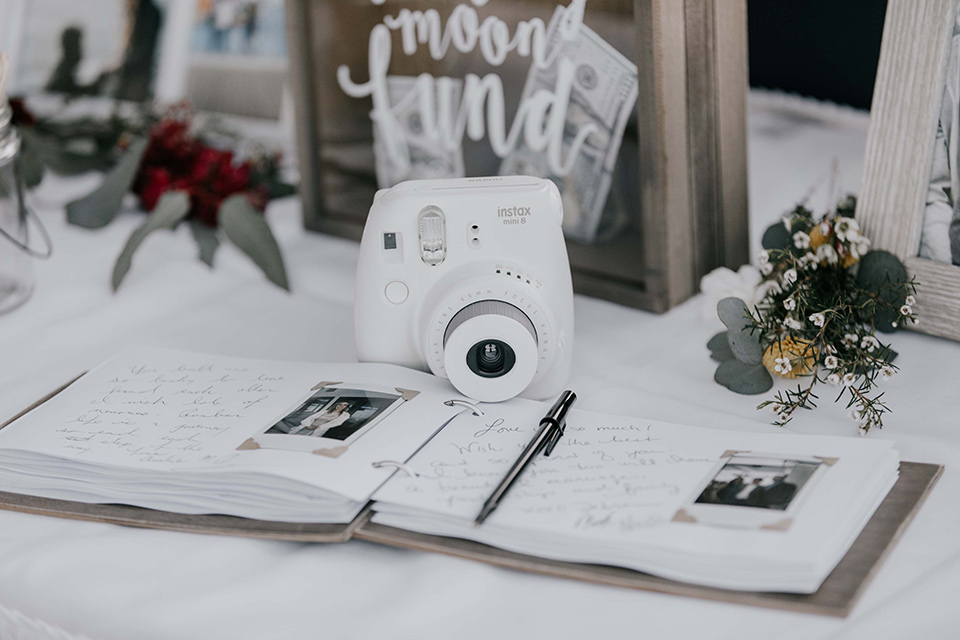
557, 418
554, 439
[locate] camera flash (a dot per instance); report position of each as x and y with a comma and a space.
432, 236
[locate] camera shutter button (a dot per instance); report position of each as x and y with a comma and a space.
396, 292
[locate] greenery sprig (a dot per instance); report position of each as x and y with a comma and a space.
824, 297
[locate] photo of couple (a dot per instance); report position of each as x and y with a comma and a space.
760, 482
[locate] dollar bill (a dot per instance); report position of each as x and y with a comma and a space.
422, 158
604, 94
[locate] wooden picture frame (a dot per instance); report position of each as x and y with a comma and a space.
691, 173
899, 154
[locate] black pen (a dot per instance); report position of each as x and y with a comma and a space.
551, 430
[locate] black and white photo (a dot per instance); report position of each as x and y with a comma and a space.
940, 236
758, 482
755, 490
335, 413
329, 420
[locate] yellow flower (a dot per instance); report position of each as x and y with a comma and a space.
817, 236
849, 261
789, 358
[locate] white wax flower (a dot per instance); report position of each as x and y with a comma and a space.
723, 283
826, 252
792, 323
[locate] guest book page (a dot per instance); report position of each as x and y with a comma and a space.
323, 424
621, 478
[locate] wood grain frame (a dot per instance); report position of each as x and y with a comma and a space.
692, 165
899, 153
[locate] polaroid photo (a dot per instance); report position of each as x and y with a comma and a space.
754, 490
330, 419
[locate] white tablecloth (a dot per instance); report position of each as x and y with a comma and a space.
60, 578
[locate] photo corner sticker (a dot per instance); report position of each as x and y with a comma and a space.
754, 490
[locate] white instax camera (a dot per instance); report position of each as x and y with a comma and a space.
469, 278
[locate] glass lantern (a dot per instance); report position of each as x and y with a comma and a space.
16, 252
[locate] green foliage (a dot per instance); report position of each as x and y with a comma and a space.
117, 145
738, 351
170, 210
884, 276
246, 227
720, 348
826, 295
30, 165
206, 239
100, 207
67, 158
776, 237
744, 344
747, 379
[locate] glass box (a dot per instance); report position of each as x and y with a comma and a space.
635, 109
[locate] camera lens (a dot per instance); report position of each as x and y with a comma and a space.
491, 358
490, 350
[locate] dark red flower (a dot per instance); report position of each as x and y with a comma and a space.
205, 207
171, 145
175, 160
156, 181
206, 164
232, 179
20, 116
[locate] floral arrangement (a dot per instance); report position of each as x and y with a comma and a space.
181, 167
822, 298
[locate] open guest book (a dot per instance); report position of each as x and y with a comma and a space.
326, 452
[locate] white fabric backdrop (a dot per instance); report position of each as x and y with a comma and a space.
61, 579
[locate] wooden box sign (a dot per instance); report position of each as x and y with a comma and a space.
636, 109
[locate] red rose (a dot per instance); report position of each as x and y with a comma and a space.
207, 163
156, 181
171, 145
232, 179
176, 161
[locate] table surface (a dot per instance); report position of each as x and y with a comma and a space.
66, 579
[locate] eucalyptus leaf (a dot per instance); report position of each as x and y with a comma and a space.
65, 159
718, 341
246, 227
722, 355
100, 207
744, 344
206, 239
720, 348
776, 237
748, 379
888, 354
30, 166
279, 189
880, 272
170, 210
